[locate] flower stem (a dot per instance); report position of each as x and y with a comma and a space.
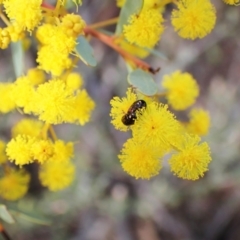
4, 18
108, 40
52, 132
104, 23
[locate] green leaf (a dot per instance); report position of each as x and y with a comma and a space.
85, 52
17, 57
143, 81
31, 217
130, 7
5, 215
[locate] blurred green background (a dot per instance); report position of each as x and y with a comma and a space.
104, 203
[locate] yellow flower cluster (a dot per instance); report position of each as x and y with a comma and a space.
55, 101
191, 19
156, 132
30, 143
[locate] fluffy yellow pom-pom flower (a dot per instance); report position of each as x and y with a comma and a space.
62, 151
7, 104
54, 102
57, 45
140, 160
14, 184
83, 107
19, 150
74, 81
194, 19
36, 76
157, 126
144, 29
191, 162
199, 122
42, 150
56, 175
28, 14
53, 62
23, 93
27, 126
182, 90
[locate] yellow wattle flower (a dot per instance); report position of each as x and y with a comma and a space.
144, 29
56, 175
140, 160
193, 19
14, 184
27, 14
19, 150
182, 90
199, 122
27, 126
192, 159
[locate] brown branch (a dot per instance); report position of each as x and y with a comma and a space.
4, 233
108, 40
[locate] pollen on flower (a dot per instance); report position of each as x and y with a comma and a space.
36, 76
192, 160
23, 93
42, 150
16, 32
4, 38
140, 160
27, 14
157, 126
55, 175
120, 107
27, 126
53, 62
19, 150
74, 81
144, 29
53, 56
194, 19
62, 151
7, 104
14, 184
54, 102
83, 107
199, 122
182, 90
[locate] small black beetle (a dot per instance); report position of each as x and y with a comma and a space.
130, 117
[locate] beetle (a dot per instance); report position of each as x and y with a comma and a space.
131, 115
